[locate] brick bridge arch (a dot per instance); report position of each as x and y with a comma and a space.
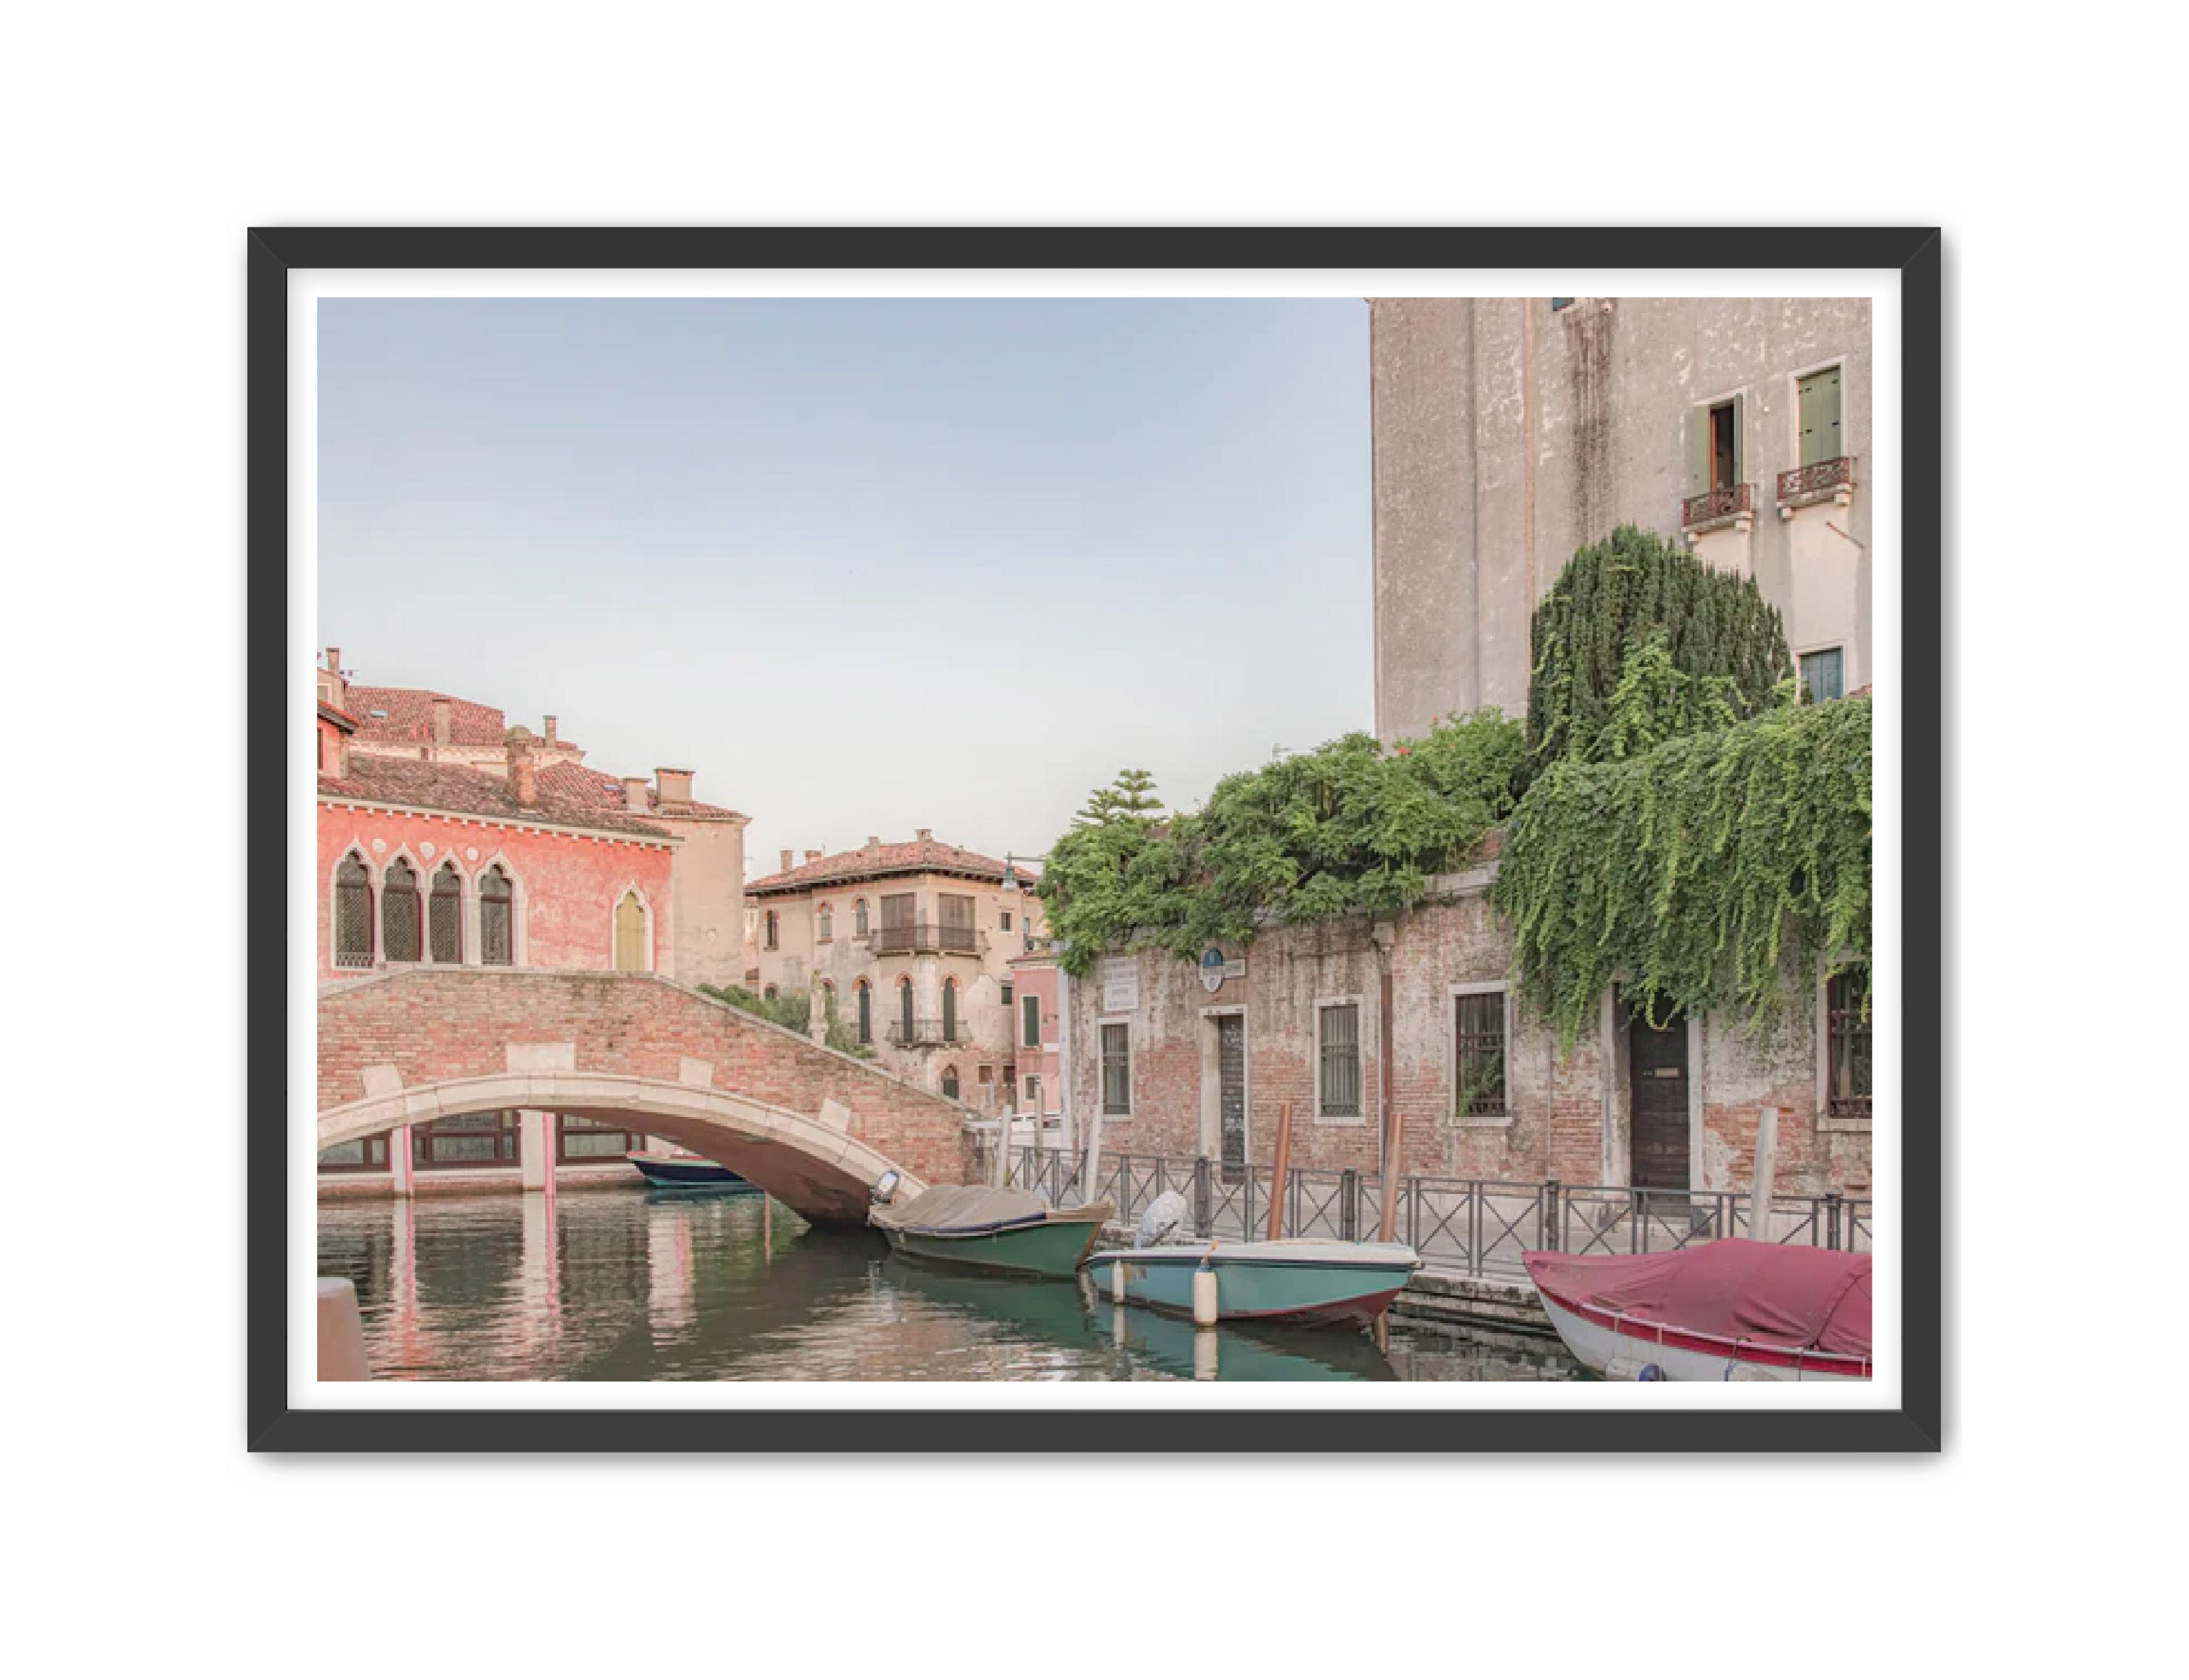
812, 1127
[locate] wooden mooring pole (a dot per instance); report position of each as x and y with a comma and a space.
1279, 1171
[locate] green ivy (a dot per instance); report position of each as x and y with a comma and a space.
1639, 641
1346, 829
1698, 874
791, 1011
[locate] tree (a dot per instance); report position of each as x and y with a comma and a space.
1640, 642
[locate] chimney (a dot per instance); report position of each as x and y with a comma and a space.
523, 773
873, 848
672, 790
441, 712
337, 690
923, 834
551, 728
634, 793
787, 854
813, 854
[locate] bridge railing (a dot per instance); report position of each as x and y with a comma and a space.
1477, 1226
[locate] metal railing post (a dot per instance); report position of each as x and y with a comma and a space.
1203, 1215
1349, 1206
1832, 1217
1549, 1215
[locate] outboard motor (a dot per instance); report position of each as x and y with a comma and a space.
885, 1187
1165, 1214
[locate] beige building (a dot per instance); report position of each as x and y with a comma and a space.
1510, 431
910, 943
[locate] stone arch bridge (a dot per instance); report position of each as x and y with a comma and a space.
812, 1127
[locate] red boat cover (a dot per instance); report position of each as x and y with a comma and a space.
1791, 1298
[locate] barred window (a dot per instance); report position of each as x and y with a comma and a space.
1116, 1068
400, 913
497, 918
1478, 1052
1340, 1087
1846, 1009
444, 915
353, 914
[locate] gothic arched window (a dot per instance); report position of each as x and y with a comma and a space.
631, 935
497, 918
950, 1082
444, 916
859, 917
866, 1013
353, 913
904, 1011
401, 913
949, 1011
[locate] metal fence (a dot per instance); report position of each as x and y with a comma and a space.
1478, 1226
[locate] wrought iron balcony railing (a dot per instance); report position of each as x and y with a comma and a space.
1728, 501
916, 937
927, 1032
1816, 481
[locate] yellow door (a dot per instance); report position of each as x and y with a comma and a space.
631, 935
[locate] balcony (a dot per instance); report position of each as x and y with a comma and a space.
1713, 510
905, 1036
923, 938
1830, 480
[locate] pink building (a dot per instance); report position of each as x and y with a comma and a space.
446, 839
1038, 1038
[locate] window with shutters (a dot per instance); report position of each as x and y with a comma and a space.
1337, 1054
497, 918
1817, 415
1718, 464
444, 916
1824, 674
950, 1083
825, 924
353, 913
1847, 1044
949, 1011
774, 934
859, 917
1030, 1020
400, 914
1478, 1058
866, 1013
955, 911
1005, 923
904, 1011
1117, 1067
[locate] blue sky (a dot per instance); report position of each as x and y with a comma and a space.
867, 566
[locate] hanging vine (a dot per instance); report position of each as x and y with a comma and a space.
1700, 874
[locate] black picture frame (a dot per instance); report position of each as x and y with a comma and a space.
273, 1425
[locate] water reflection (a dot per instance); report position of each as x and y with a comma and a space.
627, 1285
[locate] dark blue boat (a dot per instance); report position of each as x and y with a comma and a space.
684, 1172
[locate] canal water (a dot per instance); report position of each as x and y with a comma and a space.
621, 1284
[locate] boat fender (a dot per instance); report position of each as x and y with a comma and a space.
1204, 1295
1650, 1373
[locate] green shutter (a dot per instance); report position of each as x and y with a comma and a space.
1739, 438
1819, 417
1699, 449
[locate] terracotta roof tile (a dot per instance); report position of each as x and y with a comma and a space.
407, 715
596, 790
902, 857
466, 792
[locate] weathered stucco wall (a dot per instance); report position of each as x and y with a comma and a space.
1509, 434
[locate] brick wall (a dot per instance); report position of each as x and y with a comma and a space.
433, 1024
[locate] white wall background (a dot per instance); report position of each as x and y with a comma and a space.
141, 141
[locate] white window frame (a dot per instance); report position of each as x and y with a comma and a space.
1360, 1051
1452, 993
1101, 1072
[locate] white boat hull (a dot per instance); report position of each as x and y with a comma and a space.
1606, 1351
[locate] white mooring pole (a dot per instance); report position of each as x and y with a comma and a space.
1759, 1191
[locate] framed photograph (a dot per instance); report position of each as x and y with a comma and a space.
1058, 840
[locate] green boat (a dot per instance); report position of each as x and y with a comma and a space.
996, 1230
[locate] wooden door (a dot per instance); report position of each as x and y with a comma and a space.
1231, 1093
1659, 1061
